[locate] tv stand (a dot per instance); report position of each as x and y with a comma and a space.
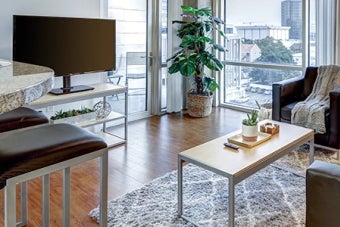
67, 88
101, 90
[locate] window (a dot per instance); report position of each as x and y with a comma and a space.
265, 45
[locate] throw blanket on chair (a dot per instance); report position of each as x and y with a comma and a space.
310, 113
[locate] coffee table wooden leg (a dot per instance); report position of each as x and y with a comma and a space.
231, 202
311, 151
180, 187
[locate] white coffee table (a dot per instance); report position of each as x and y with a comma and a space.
239, 164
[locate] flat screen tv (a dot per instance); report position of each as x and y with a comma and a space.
69, 46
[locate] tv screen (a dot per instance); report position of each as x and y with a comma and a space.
67, 45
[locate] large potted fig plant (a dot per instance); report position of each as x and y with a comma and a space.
197, 52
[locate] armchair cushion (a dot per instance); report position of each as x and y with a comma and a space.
286, 111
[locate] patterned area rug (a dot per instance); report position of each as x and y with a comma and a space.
274, 196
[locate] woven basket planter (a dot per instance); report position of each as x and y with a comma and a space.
199, 105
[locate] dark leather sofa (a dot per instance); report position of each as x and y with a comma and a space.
287, 93
323, 195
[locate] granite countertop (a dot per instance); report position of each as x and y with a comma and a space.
22, 83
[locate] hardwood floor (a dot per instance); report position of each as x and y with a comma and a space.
151, 151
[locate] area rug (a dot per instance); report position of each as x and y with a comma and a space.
274, 196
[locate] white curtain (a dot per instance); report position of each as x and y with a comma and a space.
327, 30
174, 81
337, 33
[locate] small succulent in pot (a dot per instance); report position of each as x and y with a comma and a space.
252, 118
250, 127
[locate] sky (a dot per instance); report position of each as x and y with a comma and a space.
244, 12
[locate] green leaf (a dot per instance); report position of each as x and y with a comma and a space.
221, 33
204, 39
210, 84
189, 9
211, 61
218, 65
219, 48
178, 22
204, 12
175, 55
217, 20
187, 68
174, 68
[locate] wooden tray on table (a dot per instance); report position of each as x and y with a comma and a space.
238, 140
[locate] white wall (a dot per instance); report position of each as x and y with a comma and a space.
67, 8
70, 8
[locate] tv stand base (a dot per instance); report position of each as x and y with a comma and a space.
73, 89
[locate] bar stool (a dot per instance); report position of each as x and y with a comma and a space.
19, 119
60, 146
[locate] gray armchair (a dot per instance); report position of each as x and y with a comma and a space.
323, 195
287, 93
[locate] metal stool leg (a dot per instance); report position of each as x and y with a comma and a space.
66, 197
46, 200
103, 189
23, 205
10, 206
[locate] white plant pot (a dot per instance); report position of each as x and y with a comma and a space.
250, 133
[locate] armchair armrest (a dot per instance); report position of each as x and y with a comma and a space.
285, 92
323, 194
334, 109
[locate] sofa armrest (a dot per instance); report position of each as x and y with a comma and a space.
323, 194
334, 109
285, 92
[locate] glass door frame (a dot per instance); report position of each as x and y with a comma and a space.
155, 44
150, 58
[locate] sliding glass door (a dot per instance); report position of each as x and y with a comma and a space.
141, 53
132, 53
